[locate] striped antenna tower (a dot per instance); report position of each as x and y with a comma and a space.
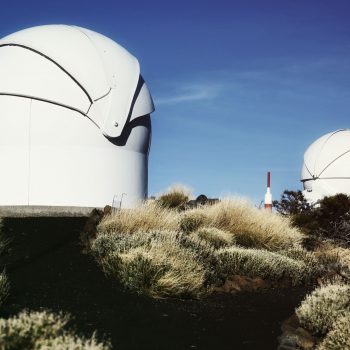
268, 195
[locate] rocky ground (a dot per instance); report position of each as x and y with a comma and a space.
46, 269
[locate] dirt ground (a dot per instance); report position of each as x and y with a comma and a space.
47, 270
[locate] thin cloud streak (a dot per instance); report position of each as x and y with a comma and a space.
189, 93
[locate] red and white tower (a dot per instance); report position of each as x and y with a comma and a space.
268, 195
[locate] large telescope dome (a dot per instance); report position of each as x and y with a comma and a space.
74, 120
326, 168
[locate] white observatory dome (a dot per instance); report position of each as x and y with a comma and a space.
74, 120
326, 168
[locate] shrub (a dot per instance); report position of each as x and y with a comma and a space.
250, 226
153, 263
330, 218
160, 252
323, 307
259, 263
191, 220
314, 265
292, 203
216, 237
147, 217
339, 336
43, 331
176, 197
4, 287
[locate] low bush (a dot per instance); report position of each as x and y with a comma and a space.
323, 307
153, 263
191, 220
216, 237
260, 263
315, 265
338, 338
42, 331
175, 198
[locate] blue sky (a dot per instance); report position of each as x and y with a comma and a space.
240, 87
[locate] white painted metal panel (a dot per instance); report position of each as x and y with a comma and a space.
71, 49
123, 72
105, 72
80, 169
24, 72
14, 150
143, 104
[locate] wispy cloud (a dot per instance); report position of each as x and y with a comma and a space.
189, 93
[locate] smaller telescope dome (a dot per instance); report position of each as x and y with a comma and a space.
326, 168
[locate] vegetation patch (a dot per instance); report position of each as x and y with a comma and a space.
216, 237
43, 331
261, 263
323, 307
160, 251
175, 198
153, 263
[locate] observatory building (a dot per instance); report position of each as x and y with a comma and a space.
75, 123
326, 168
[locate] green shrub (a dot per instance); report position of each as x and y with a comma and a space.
338, 338
323, 307
292, 203
43, 331
216, 237
259, 263
329, 219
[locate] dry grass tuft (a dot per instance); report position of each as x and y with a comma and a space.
176, 197
42, 331
216, 237
147, 217
323, 307
338, 257
252, 227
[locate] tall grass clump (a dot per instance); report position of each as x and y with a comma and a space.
42, 331
152, 263
252, 227
176, 197
260, 263
323, 307
147, 217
